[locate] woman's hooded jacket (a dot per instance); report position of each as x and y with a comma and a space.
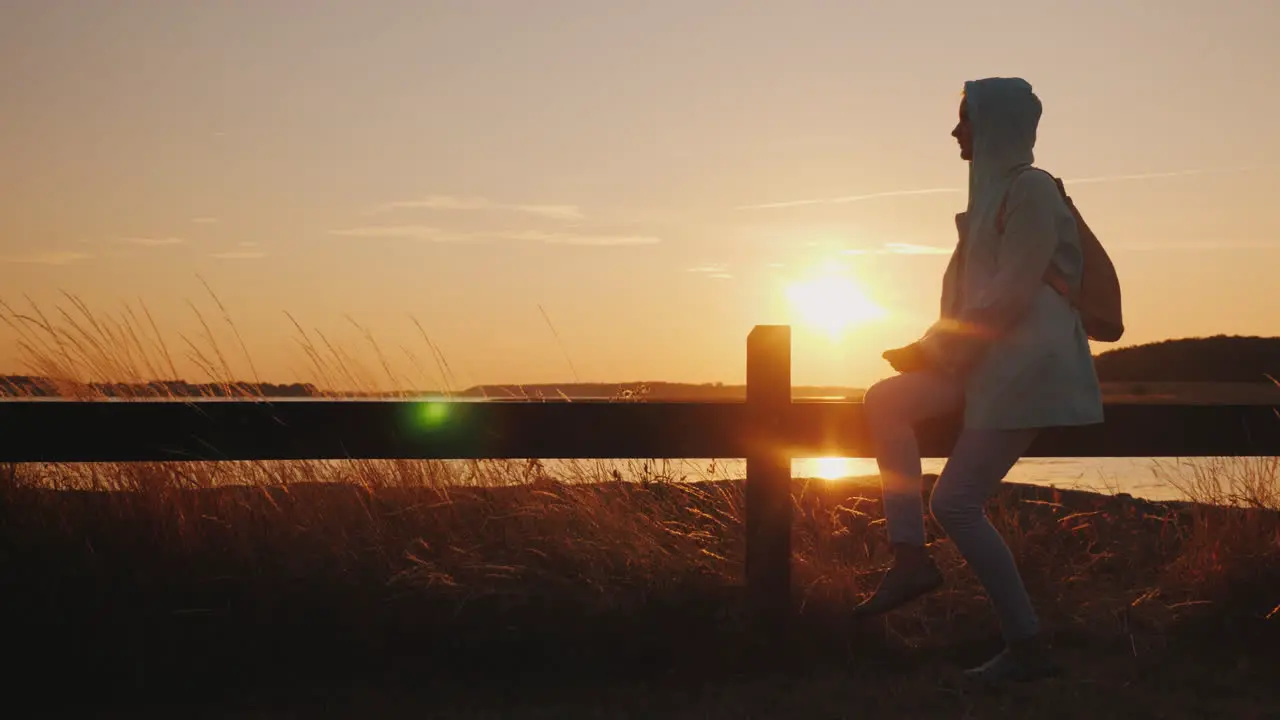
1018, 345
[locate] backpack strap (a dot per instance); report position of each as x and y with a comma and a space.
1004, 200
1052, 276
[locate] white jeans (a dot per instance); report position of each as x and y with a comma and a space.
977, 465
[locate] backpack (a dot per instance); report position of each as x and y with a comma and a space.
1098, 301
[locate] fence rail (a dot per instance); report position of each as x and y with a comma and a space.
136, 431
768, 429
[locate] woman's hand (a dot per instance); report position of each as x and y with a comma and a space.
907, 359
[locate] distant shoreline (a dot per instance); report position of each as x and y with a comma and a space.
28, 387
1218, 369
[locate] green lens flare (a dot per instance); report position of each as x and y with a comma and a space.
432, 415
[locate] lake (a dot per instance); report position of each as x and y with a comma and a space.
1154, 479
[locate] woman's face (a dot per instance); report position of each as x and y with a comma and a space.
963, 132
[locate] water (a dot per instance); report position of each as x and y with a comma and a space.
1154, 479
1140, 477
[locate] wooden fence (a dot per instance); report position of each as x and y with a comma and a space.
768, 430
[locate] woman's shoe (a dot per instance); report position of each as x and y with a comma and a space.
912, 575
1021, 661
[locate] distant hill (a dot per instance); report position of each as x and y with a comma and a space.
1222, 359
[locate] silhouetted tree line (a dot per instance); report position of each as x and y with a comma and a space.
1221, 358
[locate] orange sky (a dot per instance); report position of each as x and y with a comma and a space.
618, 164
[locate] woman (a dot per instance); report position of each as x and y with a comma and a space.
1007, 349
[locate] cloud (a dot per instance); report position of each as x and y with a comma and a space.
912, 249
1155, 175
153, 241
900, 249
239, 255
204, 220
426, 233
1195, 246
439, 202
455, 202
598, 240
844, 199
712, 272
604, 240
423, 233
554, 212
46, 258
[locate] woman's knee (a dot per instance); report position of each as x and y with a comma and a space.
912, 396
878, 400
883, 411
892, 399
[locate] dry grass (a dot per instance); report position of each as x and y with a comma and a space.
212, 578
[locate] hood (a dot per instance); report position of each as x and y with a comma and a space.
1004, 114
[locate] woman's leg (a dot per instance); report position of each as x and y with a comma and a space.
978, 464
893, 407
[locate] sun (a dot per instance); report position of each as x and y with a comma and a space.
832, 468
832, 301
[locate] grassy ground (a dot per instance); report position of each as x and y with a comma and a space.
546, 599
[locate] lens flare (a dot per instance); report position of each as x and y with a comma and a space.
431, 415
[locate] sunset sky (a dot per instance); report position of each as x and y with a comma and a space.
654, 176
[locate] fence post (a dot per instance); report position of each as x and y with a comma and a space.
768, 492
